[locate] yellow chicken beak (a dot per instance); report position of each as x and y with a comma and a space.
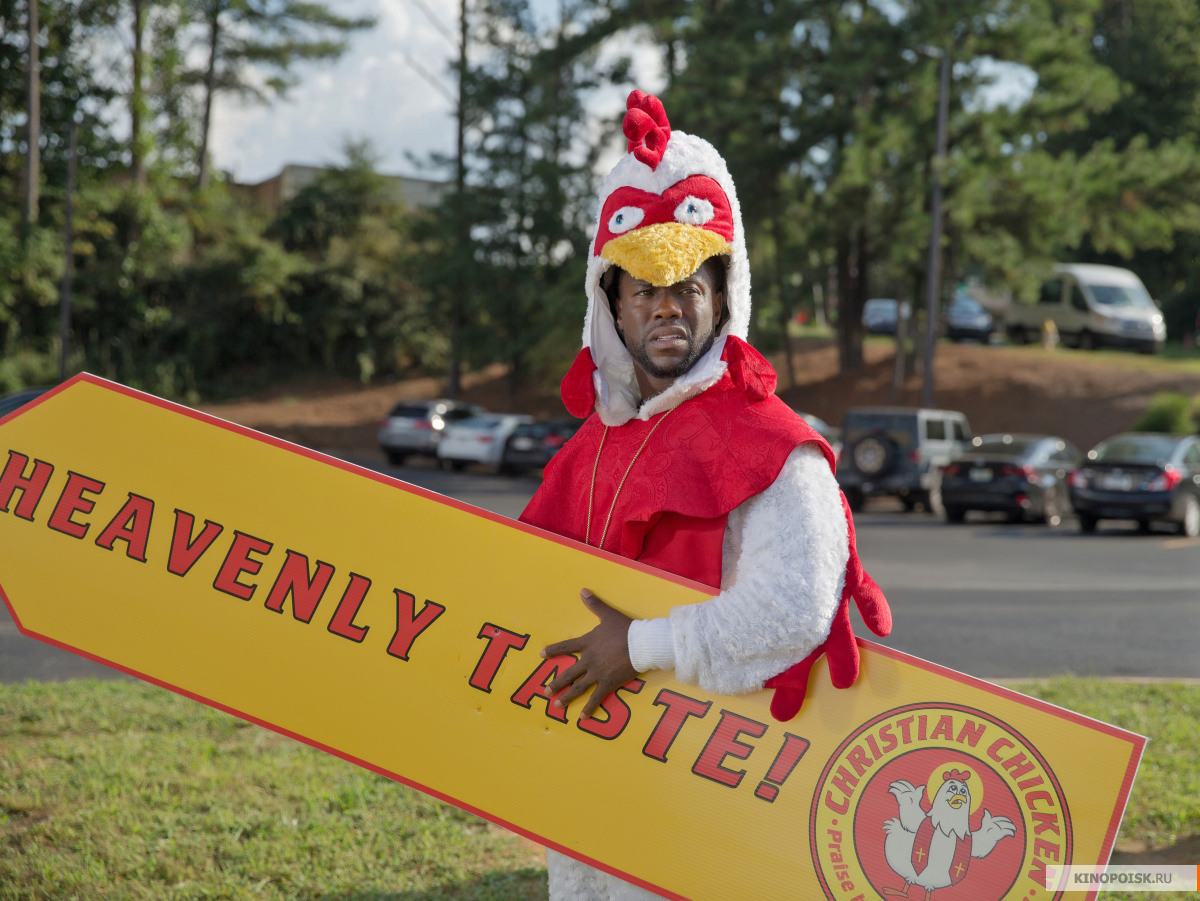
665, 253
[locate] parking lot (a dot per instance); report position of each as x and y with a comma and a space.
989, 598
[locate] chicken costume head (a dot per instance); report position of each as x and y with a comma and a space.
665, 208
951, 808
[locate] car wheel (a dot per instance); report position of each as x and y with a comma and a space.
873, 456
1017, 335
1087, 341
1189, 525
1052, 508
458, 465
1144, 526
955, 514
854, 499
929, 501
1087, 522
396, 458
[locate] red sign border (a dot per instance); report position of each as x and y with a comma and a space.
938, 669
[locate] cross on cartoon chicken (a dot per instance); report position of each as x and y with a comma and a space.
933, 850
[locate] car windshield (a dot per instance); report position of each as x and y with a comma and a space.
900, 427
880, 308
1131, 297
1013, 447
1143, 449
481, 422
414, 411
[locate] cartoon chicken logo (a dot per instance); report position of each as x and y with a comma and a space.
934, 849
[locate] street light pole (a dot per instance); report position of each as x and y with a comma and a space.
934, 275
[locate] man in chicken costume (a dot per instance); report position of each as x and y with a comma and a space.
688, 461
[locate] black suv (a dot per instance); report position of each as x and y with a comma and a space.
898, 452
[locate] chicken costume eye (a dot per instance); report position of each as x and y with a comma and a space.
694, 211
626, 218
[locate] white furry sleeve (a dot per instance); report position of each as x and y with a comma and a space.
783, 569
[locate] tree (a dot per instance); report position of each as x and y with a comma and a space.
245, 38
67, 75
531, 183
1146, 213
360, 309
137, 94
825, 113
33, 108
30, 240
733, 92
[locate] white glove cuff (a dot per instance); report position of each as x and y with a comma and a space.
651, 644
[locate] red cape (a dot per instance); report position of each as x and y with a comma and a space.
659, 491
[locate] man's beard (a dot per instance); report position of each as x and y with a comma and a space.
679, 367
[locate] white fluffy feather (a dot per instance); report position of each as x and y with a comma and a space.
784, 565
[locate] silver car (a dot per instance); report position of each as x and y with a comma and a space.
880, 315
415, 427
480, 439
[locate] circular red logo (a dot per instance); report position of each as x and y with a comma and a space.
937, 797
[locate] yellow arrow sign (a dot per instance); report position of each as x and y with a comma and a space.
400, 630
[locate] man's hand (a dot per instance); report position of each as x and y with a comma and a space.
603, 657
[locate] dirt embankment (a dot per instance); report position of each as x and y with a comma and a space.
1079, 396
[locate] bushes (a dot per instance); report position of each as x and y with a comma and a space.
1171, 412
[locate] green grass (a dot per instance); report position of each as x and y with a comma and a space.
1174, 360
121, 790
1164, 807
118, 789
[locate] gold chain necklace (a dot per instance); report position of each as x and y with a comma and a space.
587, 538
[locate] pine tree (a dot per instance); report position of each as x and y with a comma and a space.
266, 37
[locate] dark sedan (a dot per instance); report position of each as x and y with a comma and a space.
1143, 476
532, 444
11, 402
1021, 476
967, 319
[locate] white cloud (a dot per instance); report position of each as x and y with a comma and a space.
376, 93
372, 93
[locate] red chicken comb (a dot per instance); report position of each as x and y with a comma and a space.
646, 127
955, 774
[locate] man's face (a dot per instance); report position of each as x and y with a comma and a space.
667, 329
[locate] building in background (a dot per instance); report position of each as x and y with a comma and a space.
272, 194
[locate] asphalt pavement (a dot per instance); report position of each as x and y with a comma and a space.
986, 598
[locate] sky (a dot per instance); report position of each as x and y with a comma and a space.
372, 93
380, 91
384, 89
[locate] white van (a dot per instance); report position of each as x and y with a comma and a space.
1091, 306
